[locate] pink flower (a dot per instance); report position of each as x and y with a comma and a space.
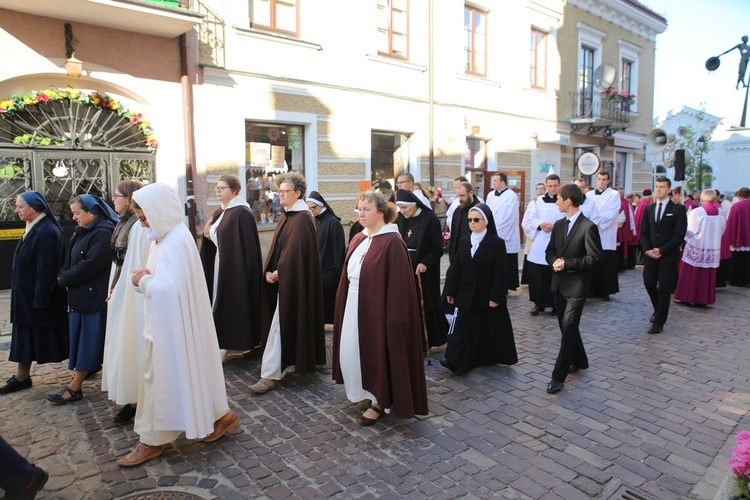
740, 460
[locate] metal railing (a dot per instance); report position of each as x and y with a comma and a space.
211, 37
598, 111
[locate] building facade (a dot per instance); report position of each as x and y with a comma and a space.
606, 99
335, 90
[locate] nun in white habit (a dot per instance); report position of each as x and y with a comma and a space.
183, 383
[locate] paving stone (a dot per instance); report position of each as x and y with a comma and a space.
652, 411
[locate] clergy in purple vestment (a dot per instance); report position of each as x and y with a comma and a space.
738, 229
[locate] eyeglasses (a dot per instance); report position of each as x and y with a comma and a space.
286, 190
221, 188
474, 219
118, 196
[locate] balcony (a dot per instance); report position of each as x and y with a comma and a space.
165, 18
595, 112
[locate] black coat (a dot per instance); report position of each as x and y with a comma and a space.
581, 249
86, 270
332, 247
475, 281
459, 228
36, 300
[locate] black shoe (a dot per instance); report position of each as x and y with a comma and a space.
58, 398
656, 328
14, 385
576, 368
554, 387
447, 364
652, 318
125, 415
38, 480
536, 310
605, 298
553, 312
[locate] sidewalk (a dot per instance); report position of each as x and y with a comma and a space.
655, 413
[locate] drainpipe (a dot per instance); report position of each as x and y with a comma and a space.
188, 68
431, 92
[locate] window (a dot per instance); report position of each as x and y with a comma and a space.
276, 15
270, 149
620, 170
629, 53
389, 157
393, 28
475, 45
586, 80
475, 163
538, 59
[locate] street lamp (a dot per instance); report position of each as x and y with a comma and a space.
702, 142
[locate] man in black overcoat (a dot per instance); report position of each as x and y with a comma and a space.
573, 250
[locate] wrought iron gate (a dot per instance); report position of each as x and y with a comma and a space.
59, 175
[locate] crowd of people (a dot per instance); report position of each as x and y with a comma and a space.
133, 296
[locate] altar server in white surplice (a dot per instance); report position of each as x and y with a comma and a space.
503, 202
183, 383
607, 200
538, 221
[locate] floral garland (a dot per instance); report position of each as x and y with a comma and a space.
16, 103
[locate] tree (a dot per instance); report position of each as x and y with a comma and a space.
688, 141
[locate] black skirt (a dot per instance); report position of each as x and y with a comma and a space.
481, 339
46, 344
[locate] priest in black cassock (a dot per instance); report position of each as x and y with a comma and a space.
421, 231
332, 249
459, 221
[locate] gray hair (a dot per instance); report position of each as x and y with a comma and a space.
297, 181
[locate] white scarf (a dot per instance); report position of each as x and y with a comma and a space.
476, 239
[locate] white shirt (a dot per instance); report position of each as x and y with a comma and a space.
608, 204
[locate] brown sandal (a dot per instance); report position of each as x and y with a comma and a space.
367, 421
262, 386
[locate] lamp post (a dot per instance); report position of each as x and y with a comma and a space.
702, 142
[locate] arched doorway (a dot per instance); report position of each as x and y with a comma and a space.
62, 143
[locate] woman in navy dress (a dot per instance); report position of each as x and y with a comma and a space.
37, 304
85, 275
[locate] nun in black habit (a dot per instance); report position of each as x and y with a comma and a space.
332, 248
475, 284
420, 228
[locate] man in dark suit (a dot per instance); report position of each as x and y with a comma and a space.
573, 250
663, 230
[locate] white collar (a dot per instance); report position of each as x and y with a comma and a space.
388, 228
237, 201
298, 206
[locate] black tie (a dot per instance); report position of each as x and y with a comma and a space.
658, 214
567, 229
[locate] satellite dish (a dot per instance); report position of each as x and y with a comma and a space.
604, 76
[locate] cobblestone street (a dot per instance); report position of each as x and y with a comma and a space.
657, 413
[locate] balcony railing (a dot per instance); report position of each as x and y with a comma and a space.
211, 36
597, 112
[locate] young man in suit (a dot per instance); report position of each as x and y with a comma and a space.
662, 232
573, 250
